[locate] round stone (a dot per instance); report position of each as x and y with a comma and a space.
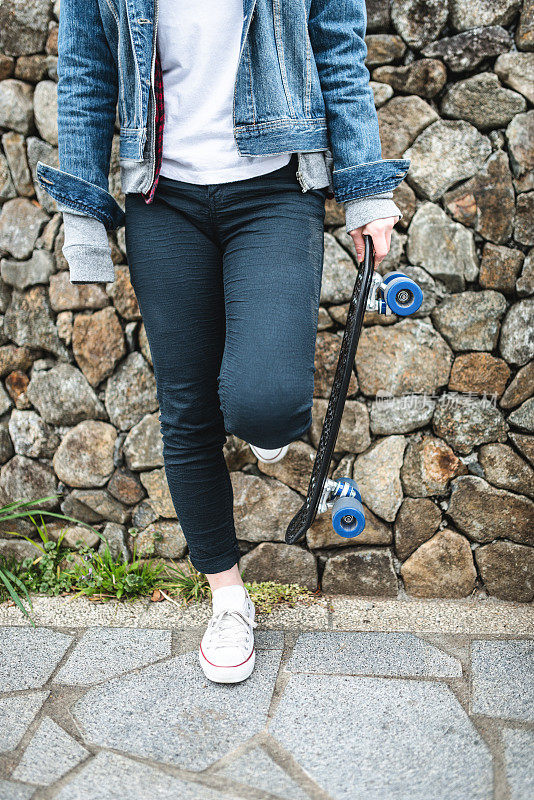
458, 147
409, 357
429, 465
45, 110
23, 26
465, 51
441, 567
467, 14
482, 101
367, 572
377, 473
444, 248
418, 519
471, 320
131, 392
401, 121
419, 21
507, 570
85, 456
283, 563
98, 344
425, 77
485, 513
515, 70
479, 373
63, 396
486, 202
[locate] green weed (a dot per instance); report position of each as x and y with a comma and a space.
98, 575
57, 570
186, 583
268, 595
12, 586
14, 581
192, 586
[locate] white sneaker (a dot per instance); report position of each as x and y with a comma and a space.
269, 456
226, 651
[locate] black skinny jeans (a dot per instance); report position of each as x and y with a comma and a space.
228, 280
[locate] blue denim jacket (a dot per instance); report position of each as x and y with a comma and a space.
301, 86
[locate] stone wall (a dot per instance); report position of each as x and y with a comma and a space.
438, 428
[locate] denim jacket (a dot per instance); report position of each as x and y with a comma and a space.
301, 86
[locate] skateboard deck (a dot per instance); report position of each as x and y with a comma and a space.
305, 517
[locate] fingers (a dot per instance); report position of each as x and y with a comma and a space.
380, 245
388, 238
380, 232
359, 244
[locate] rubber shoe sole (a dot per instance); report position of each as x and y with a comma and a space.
274, 455
227, 674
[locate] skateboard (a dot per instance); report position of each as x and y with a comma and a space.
393, 293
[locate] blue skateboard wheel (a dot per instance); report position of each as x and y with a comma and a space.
389, 276
403, 296
348, 517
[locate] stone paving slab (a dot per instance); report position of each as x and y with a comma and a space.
13, 791
29, 656
388, 654
103, 653
112, 777
176, 715
257, 769
16, 713
343, 715
268, 640
395, 739
50, 754
502, 682
519, 763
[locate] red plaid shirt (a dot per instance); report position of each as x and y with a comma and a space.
160, 121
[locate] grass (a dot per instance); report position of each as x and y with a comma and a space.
12, 586
57, 570
12, 577
87, 572
186, 584
100, 576
192, 586
268, 595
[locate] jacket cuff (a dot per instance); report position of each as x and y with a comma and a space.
80, 195
367, 209
362, 180
87, 249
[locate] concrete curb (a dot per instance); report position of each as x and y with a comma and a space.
329, 613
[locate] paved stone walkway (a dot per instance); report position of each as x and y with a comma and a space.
108, 713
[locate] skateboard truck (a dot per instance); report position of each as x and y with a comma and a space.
393, 293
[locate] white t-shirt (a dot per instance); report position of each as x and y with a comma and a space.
198, 45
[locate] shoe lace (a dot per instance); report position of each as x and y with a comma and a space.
230, 628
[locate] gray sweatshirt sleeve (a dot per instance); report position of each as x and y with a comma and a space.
367, 209
86, 248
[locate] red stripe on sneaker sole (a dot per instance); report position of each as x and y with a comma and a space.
225, 666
